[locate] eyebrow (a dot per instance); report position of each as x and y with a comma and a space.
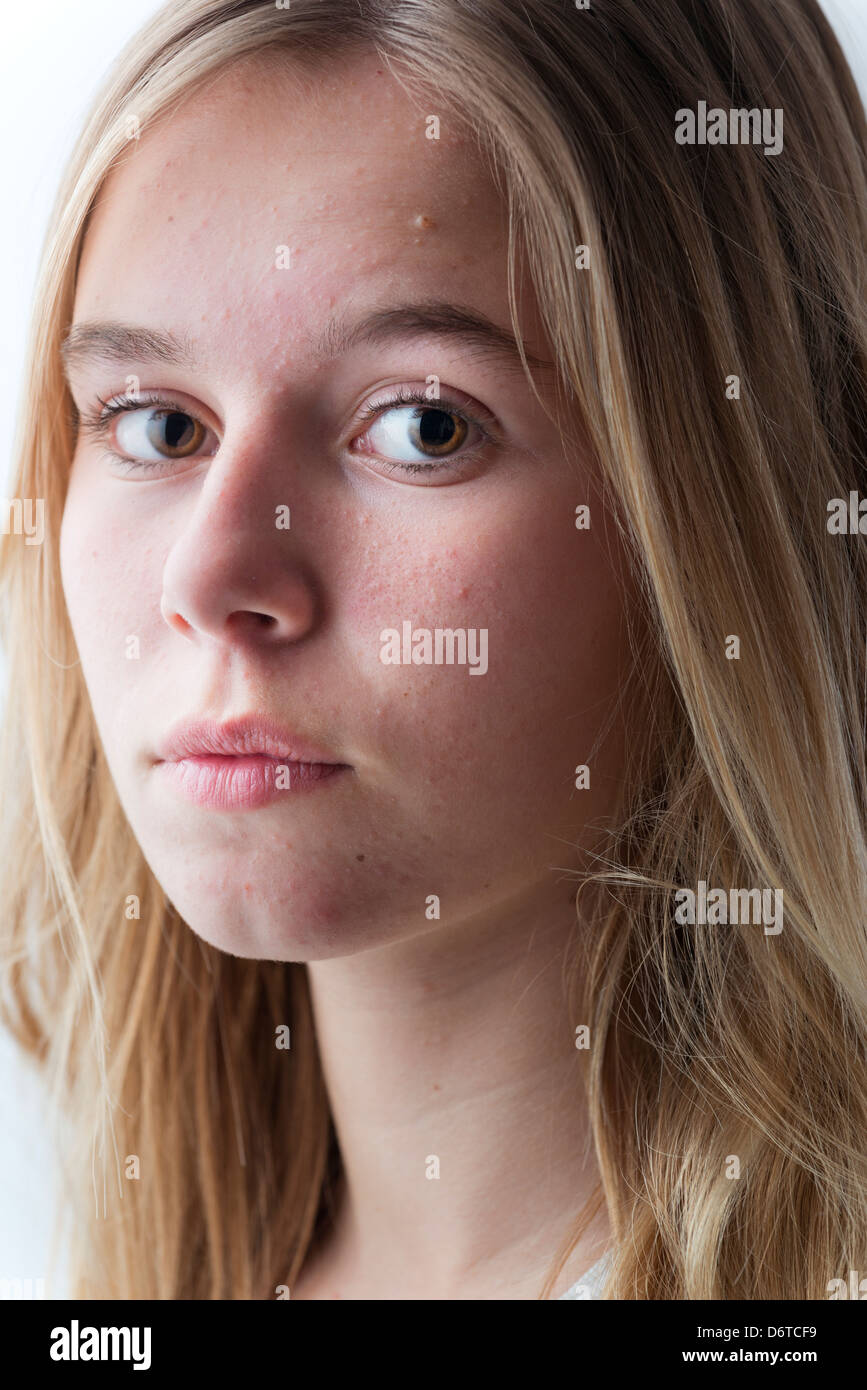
122, 342
125, 343
434, 320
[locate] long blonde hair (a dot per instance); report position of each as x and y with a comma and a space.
707, 1046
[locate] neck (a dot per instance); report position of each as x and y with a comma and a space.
456, 1091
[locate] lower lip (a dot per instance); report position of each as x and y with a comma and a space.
246, 782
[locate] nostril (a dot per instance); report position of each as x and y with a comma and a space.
249, 617
172, 617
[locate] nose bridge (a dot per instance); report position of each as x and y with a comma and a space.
229, 517
235, 551
246, 490
243, 480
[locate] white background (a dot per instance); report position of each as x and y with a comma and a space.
55, 55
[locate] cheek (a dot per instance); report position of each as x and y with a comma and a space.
549, 599
111, 585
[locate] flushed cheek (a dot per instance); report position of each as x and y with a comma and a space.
523, 572
549, 614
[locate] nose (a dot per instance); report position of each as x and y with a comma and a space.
236, 572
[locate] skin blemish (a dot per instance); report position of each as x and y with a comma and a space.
423, 222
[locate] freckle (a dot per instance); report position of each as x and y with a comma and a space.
436, 1086
360, 858
423, 222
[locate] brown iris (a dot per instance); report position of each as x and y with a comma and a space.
436, 431
174, 433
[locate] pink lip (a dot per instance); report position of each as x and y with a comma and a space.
242, 764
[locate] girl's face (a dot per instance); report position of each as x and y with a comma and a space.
272, 267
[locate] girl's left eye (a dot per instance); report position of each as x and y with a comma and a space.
413, 434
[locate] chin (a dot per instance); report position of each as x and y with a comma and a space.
248, 919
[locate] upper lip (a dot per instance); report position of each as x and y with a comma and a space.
246, 735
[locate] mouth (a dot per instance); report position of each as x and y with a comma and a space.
243, 764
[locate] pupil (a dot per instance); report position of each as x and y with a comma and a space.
176, 427
436, 427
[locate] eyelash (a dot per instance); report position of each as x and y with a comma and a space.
97, 423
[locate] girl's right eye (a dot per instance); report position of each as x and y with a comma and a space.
146, 434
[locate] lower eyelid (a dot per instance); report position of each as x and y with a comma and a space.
445, 462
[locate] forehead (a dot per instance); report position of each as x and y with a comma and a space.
275, 195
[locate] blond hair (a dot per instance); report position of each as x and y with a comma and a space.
704, 264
